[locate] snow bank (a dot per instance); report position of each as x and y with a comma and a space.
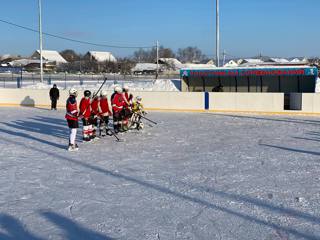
317, 90
134, 85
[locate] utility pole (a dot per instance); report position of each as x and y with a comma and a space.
224, 57
157, 59
217, 34
40, 41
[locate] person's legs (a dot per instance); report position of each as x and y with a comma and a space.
54, 104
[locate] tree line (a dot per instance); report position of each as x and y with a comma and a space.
78, 62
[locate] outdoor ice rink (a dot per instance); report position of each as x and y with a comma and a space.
193, 176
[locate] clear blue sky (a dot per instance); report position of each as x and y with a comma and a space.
274, 27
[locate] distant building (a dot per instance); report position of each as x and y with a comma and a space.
211, 62
199, 66
272, 79
250, 62
146, 68
299, 60
100, 57
171, 63
6, 58
32, 64
50, 56
231, 63
278, 60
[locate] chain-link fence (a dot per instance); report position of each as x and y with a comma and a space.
64, 80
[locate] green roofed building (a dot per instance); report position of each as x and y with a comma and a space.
286, 79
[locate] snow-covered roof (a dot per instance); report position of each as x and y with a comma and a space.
102, 56
279, 60
295, 60
52, 56
25, 62
299, 60
144, 67
171, 61
198, 66
253, 60
5, 56
231, 63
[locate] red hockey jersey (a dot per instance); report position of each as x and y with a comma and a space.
118, 102
104, 107
95, 106
85, 107
128, 98
72, 109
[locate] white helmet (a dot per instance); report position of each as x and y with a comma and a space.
138, 98
104, 93
73, 92
117, 89
126, 88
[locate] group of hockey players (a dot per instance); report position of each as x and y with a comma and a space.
94, 111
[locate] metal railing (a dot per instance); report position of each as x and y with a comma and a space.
64, 80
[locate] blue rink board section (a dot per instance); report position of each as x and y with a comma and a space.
206, 101
257, 71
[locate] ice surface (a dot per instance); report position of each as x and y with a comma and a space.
192, 176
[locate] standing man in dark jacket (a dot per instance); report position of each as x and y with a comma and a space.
54, 96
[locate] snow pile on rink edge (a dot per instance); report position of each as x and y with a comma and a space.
142, 85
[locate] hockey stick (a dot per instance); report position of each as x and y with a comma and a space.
138, 122
96, 93
146, 118
115, 135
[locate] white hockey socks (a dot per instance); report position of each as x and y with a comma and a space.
73, 135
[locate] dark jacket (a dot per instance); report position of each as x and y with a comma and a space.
54, 93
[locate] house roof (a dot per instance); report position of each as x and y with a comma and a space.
231, 63
52, 56
145, 66
198, 66
172, 61
5, 56
253, 60
25, 62
279, 60
102, 56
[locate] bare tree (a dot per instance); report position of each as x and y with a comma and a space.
190, 54
70, 55
150, 55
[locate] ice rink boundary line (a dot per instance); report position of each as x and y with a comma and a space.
287, 112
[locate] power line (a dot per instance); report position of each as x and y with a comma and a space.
74, 40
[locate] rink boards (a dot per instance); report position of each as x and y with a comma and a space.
182, 101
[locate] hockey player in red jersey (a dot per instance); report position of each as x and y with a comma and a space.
94, 114
105, 113
85, 112
117, 103
72, 118
127, 110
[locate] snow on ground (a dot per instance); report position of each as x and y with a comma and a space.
167, 85
317, 90
192, 176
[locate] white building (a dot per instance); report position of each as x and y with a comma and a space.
101, 56
172, 63
231, 63
146, 68
50, 56
278, 60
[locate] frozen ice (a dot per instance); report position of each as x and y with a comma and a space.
192, 176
